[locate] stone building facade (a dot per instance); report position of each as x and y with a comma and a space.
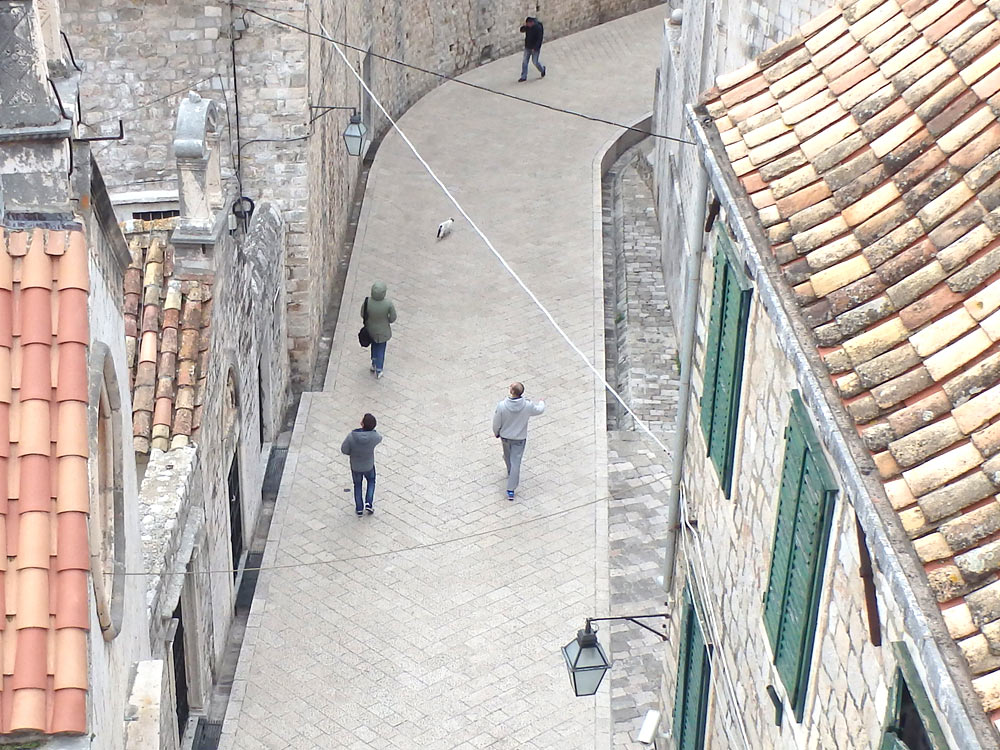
141, 394
816, 236
205, 330
61, 245
136, 58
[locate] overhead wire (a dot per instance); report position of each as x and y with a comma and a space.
732, 697
729, 689
600, 377
374, 555
445, 77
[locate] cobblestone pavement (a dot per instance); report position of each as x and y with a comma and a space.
439, 623
642, 357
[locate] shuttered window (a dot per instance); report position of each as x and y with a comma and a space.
693, 673
727, 332
805, 509
910, 723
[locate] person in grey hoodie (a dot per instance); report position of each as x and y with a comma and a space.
378, 313
510, 424
360, 446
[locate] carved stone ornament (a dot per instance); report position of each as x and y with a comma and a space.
196, 148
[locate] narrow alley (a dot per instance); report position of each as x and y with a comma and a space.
437, 622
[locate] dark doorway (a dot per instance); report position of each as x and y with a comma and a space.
183, 707
235, 513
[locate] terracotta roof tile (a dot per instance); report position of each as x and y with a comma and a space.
167, 332
973, 380
744, 90
885, 18
44, 393
976, 272
949, 21
987, 440
931, 13
823, 37
729, 80
886, 222
976, 44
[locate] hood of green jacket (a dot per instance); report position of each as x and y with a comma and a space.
378, 290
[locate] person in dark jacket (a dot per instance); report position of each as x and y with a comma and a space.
378, 313
532, 31
360, 446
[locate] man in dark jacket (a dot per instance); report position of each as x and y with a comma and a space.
360, 446
532, 31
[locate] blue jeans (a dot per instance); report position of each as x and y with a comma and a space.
358, 476
531, 54
378, 355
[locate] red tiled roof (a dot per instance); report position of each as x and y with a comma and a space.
869, 143
44, 284
166, 332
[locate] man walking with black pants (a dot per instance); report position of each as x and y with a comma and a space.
510, 424
532, 31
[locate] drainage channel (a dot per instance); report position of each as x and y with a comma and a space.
208, 734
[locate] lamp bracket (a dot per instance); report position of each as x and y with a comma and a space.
326, 109
635, 620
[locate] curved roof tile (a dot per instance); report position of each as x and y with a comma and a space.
869, 143
44, 560
166, 331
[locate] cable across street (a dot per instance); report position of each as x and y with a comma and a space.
445, 77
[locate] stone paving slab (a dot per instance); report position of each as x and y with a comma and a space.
644, 363
441, 621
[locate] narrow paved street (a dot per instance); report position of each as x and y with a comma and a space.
439, 623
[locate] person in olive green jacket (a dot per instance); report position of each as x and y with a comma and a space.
378, 313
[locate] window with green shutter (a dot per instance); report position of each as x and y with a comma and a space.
910, 723
805, 509
693, 672
727, 333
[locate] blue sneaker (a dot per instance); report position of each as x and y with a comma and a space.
510, 494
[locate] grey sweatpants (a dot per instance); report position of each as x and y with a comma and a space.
512, 452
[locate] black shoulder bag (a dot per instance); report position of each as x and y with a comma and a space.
363, 337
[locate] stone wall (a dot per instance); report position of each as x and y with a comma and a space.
730, 553
184, 498
849, 677
715, 37
137, 55
245, 320
111, 663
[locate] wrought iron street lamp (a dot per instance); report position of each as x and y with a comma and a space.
585, 658
354, 135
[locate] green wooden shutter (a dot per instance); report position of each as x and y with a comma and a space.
693, 674
722, 445
914, 724
723, 371
805, 511
712, 345
791, 477
892, 742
